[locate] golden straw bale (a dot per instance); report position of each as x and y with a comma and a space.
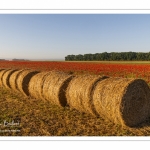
2, 72
6, 77
54, 88
23, 81
13, 78
80, 90
1, 69
123, 101
36, 85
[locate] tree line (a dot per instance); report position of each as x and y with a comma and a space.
113, 56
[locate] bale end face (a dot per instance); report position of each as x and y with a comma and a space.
123, 101
135, 105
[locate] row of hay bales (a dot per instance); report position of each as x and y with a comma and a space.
121, 100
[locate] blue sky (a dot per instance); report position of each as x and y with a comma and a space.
53, 36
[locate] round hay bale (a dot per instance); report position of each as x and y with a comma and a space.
13, 78
79, 92
1, 69
2, 72
123, 101
6, 76
36, 85
54, 88
23, 81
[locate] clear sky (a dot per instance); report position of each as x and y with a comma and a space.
53, 36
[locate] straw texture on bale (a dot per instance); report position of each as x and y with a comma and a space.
123, 101
23, 81
6, 76
2, 72
1, 69
13, 78
36, 85
79, 92
54, 88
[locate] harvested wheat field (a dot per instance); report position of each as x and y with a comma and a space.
92, 105
54, 87
23, 81
123, 101
42, 118
6, 77
80, 91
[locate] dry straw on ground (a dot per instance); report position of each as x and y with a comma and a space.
54, 88
123, 101
6, 77
23, 81
80, 90
36, 85
13, 78
2, 72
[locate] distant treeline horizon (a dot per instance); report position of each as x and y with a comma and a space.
112, 56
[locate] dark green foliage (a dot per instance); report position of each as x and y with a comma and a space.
113, 56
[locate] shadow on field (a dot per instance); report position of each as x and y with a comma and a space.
36, 117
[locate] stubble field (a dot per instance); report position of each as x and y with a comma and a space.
43, 118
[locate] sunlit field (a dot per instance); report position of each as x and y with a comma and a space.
38, 117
